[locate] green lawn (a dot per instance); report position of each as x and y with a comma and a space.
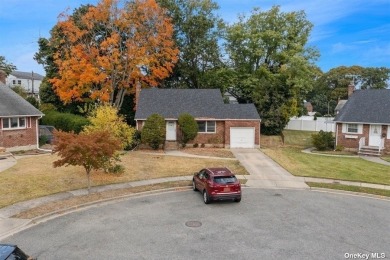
341, 168
298, 138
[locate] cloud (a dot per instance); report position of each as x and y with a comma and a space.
342, 47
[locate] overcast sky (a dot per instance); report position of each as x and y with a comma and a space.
346, 32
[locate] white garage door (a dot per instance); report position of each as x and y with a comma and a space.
242, 137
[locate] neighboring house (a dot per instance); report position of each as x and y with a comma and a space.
220, 125
30, 81
18, 121
363, 123
308, 106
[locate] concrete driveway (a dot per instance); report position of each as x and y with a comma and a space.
266, 224
264, 172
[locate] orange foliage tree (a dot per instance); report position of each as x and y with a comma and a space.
89, 150
114, 46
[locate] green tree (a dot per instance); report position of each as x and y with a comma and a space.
153, 132
92, 150
197, 31
189, 128
105, 117
33, 101
20, 91
6, 66
333, 85
270, 64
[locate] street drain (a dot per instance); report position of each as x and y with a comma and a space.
193, 223
278, 195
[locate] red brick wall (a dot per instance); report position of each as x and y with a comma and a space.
217, 138
354, 143
20, 137
242, 123
222, 136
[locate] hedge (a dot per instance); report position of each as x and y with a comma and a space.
64, 121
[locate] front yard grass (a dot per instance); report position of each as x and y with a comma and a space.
341, 168
35, 176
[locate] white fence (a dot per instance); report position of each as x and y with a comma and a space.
307, 123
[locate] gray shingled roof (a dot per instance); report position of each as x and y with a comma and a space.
26, 75
11, 104
200, 103
366, 106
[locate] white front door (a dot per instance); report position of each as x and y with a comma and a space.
375, 135
171, 131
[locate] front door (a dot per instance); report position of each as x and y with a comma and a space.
375, 135
171, 131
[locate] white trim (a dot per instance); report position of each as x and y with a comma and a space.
388, 132
206, 132
40, 116
344, 129
203, 119
10, 128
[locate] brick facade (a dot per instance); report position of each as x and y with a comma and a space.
242, 123
346, 140
221, 137
20, 139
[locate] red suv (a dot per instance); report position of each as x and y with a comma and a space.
217, 184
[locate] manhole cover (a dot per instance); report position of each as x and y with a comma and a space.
193, 223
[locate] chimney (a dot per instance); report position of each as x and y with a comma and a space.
351, 89
137, 92
3, 76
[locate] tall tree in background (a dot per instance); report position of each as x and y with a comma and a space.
6, 66
111, 48
270, 64
45, 57
333, 85
197, 31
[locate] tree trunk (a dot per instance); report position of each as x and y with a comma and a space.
89, 181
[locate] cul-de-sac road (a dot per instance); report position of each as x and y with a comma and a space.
267, 224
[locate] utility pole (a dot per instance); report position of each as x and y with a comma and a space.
32, 83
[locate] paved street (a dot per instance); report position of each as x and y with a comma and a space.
267, 224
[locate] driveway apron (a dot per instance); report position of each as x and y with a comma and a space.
264, 172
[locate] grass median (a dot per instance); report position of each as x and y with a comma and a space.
34, 177
340, 168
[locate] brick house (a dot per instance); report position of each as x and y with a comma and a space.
220, 124
18, 120
363, 124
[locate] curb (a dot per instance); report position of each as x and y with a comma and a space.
350, 193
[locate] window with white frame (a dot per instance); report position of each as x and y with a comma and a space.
14, 122
206, 126
352, 128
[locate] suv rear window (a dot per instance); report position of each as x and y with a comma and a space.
225, 179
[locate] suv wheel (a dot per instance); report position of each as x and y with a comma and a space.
206, 198
193, 185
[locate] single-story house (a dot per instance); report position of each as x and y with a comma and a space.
18, 121
363, 123
220, 124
